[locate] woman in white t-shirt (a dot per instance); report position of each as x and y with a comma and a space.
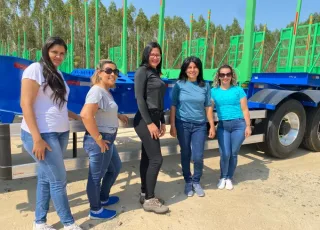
45, 131
100, 117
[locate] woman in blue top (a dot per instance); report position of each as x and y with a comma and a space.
234, 121
190, 110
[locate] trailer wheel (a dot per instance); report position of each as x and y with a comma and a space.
285, 129
311, 140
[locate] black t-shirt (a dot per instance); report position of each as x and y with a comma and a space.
149, 92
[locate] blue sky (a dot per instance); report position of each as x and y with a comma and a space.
275, 13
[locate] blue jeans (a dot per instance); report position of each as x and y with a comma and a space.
191, 137
105, 166
231, 134
52, 177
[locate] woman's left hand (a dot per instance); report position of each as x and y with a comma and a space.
123, 118
247, 132
212, 132
162, 130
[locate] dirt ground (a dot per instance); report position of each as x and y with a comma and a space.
269, 194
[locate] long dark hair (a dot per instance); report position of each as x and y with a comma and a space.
183, 75
52, 78
146, 55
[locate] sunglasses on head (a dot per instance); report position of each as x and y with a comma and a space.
110, 71
222, 75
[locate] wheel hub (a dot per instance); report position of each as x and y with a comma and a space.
289, 129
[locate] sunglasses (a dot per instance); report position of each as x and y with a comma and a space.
110, 71
223, 75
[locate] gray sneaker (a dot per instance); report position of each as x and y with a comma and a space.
143, 197
199, 191
154, 205
188, 190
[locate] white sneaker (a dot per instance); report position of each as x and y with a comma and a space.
229, 184
222, 183
43, 226
72, 227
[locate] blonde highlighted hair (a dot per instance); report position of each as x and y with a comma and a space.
234, 79
95, 79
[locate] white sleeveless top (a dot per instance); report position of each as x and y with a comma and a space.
49, 117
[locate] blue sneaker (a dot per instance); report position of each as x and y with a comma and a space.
112, 200
199, 191
103, 214
188, 189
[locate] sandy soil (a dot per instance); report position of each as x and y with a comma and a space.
268, 194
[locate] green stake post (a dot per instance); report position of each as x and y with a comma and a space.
42, 31
86, 15
213, 49
50, 24
124, 38
308, 44
294, 37
138, 48
72, 39
206, 43
190, 35
96, 36
245, 67
19, 44
161, 22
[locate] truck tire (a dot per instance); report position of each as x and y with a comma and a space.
260, 128
285, 129
311, 140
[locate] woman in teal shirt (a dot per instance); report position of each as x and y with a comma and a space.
191, 109
234, 121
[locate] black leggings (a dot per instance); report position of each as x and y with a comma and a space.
151, 158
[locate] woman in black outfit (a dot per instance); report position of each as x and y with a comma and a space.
149, 124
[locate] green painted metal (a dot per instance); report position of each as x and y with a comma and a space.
190, 35
308, 45
125, 38
307, 41
273, 53
138, 48
115, 55
196, 48
86, 16
38, 55
294, 37
1, 48
131, 58
213, 49
19, 44
25, 50
167, 54
161, 22
50, 24
315, 48
204, 59
245, 68
42, 32
71, 51
96, 35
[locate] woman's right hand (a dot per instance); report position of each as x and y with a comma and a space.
154, 131
103, 144
39, 149
173, 131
